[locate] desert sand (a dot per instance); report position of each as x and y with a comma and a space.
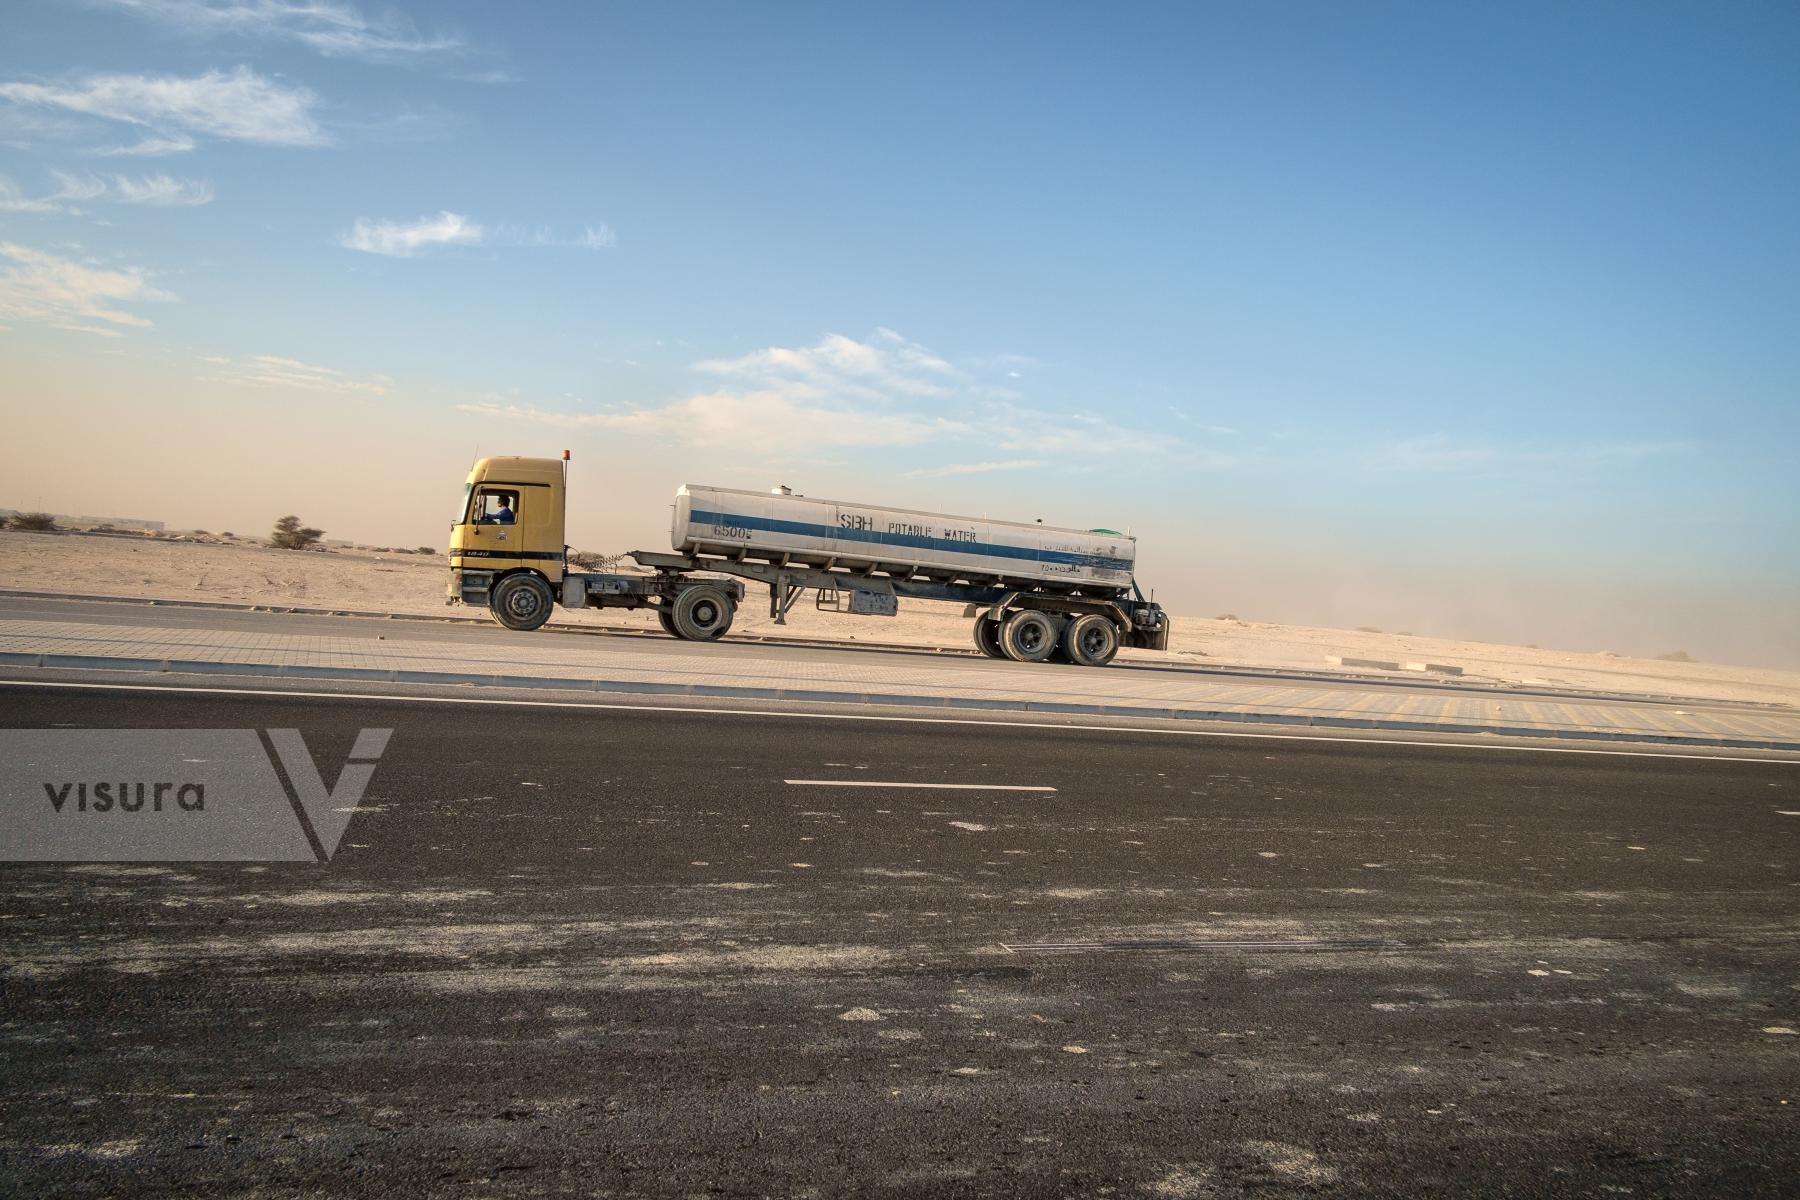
245, 572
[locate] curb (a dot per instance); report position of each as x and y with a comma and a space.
718, 691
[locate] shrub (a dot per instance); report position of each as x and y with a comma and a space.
290, 535
36, 522
426, 550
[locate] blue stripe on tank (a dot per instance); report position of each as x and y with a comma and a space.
914, 541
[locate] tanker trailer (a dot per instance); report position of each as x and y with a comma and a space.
1034, 592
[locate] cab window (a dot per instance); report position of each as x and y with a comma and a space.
497, 506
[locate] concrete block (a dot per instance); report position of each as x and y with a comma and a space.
1373, 664
1436, 668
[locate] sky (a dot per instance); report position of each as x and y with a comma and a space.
1471, 320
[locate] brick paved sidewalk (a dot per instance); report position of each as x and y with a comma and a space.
653, 666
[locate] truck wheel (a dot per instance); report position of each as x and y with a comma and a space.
666, 619
1091, 640
987, 637
522, 602
1028, 636
702, 614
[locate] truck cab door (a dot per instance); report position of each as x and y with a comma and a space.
489, 531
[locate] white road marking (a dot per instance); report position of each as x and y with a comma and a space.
1786, 812
807, 716
955, 787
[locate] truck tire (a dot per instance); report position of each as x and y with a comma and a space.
703, 613
1090, 640
1028, 636
987, 637
522, 602
666, 619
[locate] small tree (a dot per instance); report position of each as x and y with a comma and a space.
36, 522
426, 550
289, 535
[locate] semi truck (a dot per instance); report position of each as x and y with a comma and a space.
1034, 592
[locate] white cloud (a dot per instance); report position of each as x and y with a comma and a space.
151, 147
76, 187
162, 190
397, 240
333, 29
758, 422
27, 128
237, 105
597, 237
73, 190
838, 392
1195, 423
273, 371
979, 468
48, 289
1016, 427
886, 368
13, 199
591, 238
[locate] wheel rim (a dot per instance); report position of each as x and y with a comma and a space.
523, 602
706, 614
1093, 641
1030, 637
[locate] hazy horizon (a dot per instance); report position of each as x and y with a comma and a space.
1474, 323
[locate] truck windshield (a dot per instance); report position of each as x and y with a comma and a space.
462, 511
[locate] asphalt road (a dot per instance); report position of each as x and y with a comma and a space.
614, 952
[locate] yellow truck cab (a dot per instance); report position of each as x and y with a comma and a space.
506, 548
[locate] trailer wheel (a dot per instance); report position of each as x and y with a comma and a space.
1090, 640
987, 637
667, 620
703, 613
1028, 636
522, 602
